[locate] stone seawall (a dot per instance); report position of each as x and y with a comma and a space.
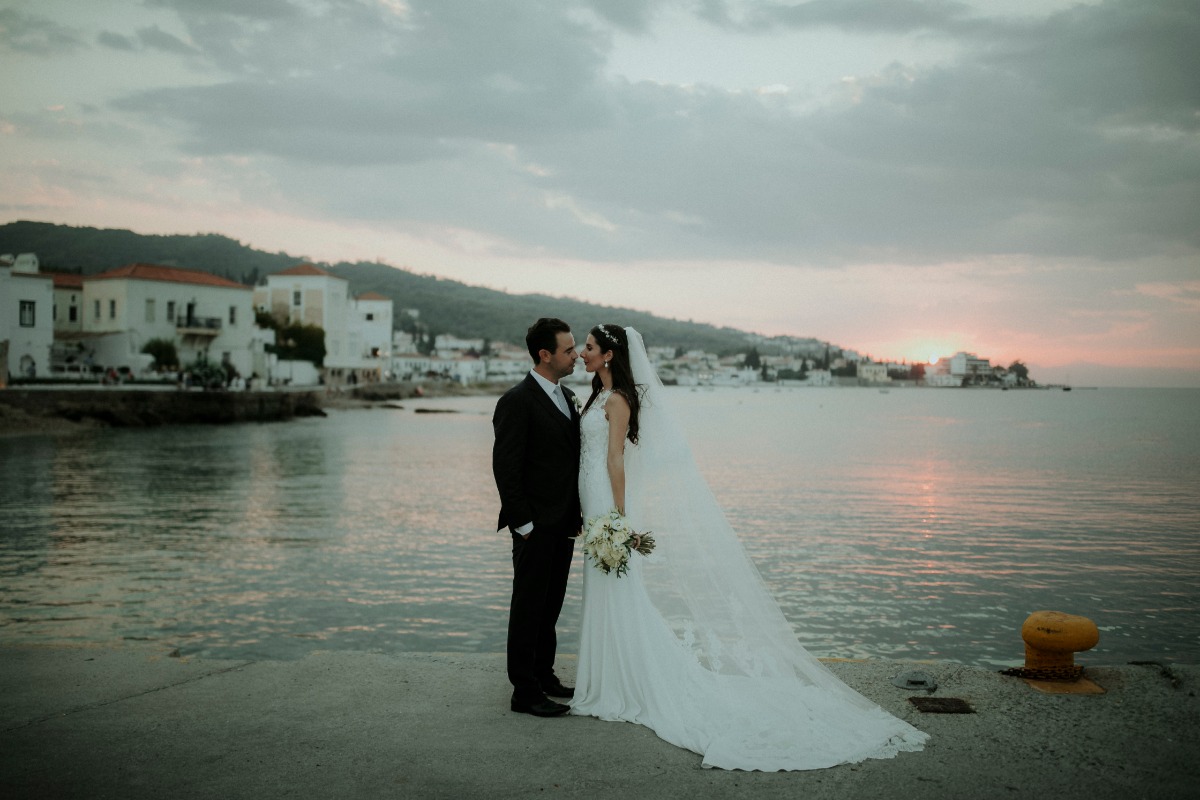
135, 408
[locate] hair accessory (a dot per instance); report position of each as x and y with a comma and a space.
608, 337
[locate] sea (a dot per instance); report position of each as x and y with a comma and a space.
904, 523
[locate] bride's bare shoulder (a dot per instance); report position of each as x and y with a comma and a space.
616, 406
616, 401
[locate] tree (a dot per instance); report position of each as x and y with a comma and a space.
206, 374
1020, 370
163, 351
303, 343
298, 342
294, 341
753, 360
429, 345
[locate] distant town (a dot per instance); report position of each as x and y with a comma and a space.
303, 327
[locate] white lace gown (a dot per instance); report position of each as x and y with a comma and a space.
633, 668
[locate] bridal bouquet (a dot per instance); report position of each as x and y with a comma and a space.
608, 539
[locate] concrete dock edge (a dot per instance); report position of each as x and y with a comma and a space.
135, 722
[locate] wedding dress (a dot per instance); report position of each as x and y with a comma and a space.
689, 642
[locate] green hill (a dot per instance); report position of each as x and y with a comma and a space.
445, 306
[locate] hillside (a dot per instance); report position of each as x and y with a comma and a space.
445, 305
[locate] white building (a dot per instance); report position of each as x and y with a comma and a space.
26, 318
449, 345
511, 366
368, 342
466, 369
308, 295
403, 342
733, 376
969, 365
203, 315
371, 326
938, 375
872, 372
68, 303
658, 354
358, 330
412, 366
819, 377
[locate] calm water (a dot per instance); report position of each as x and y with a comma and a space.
914, 523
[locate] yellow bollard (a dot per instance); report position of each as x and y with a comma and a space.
1052, 639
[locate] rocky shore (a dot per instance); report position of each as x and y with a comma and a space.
52, 410
64, 410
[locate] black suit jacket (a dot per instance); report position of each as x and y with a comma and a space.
535, 460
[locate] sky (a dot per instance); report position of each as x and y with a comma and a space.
1019, 179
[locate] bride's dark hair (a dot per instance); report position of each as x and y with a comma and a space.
612, 338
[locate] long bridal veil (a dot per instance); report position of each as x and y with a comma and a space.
703, 582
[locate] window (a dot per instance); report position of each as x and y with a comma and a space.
54, 312
73, 313
27, 313
150, 310
97, 309
370, 317
233, 315
296, 297
170, 311
112, 309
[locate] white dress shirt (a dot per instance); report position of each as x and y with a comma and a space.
555, 391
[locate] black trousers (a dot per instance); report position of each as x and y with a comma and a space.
541, 564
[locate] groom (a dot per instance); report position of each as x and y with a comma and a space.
535, 460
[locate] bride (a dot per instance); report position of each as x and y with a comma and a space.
689, 642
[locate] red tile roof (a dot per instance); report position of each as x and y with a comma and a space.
153, 272
307, 269
64, 281
372, 296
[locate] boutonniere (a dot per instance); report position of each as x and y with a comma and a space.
578, 403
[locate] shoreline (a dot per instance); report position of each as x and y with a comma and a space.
65, 410
138, 722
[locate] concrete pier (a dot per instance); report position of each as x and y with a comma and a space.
138, 723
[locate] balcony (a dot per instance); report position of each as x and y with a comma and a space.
198, 326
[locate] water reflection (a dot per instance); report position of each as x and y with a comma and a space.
914, 524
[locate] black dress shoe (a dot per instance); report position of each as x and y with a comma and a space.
544, 707
554, 688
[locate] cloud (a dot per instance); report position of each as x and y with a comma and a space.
896, 16
1130, 62
116, 41
1009, 148
248, 9
30, 33
152, 37
158, 39
1184, 293
628, 15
